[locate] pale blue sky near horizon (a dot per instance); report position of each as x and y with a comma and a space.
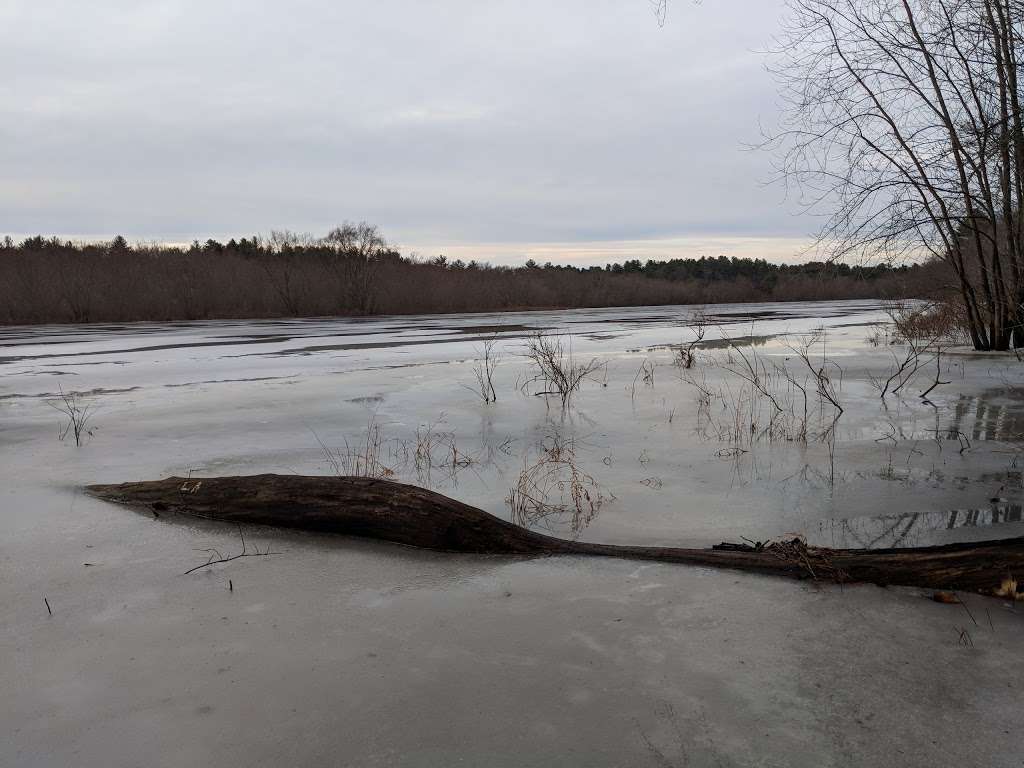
580, 132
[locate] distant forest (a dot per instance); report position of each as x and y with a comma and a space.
353, 271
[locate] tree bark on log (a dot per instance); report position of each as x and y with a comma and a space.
416, 517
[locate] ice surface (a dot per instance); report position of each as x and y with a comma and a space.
353, 653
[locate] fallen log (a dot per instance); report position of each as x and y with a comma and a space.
405, 514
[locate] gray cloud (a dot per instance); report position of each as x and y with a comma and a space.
453, 124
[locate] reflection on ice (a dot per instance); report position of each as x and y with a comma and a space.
918, 529
991, 415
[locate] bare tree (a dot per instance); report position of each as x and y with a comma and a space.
904, 127
76, 280
282, 268
355, 255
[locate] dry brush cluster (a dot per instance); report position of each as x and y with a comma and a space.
432, 452
763, 399
553, 491
558, 371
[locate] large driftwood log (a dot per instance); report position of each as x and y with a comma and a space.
405, 514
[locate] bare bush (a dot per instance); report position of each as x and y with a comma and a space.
558, 370
936, 382
943, 320
799, 416
644, 374
436, 449
78, 413
825, 384
908, 359
704, 397
825, 373
431, 444
430, 450
686, 355
755, 372
483, 369
880, 335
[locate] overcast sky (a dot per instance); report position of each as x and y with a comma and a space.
575, 130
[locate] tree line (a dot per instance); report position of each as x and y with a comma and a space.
353, 271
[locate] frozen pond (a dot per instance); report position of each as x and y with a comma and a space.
300, 396
355, 653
